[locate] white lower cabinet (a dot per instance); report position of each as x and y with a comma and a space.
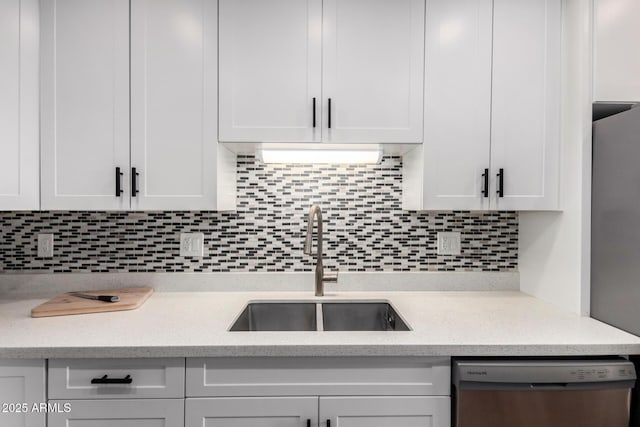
22, 385
119, 413
385, 411
342, 411
139, 392
318, 392
252, 412
143, 378
234, 391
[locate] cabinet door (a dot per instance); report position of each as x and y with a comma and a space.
525, 127
174, 104
118, 413
85, 103
373, 70
19, 145
270, 65
616, 73
385, 411
457, 104
22, 382
252, 412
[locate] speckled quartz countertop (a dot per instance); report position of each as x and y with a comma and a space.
195, 324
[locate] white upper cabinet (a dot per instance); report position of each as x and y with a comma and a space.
167, 157
19, 168
174, 104
492, 108
321, 71
84, 103
616, 57
525, 109
373, 53
270, 70
457, 105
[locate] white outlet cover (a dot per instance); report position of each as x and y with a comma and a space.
449, 243
192, 244
45, 245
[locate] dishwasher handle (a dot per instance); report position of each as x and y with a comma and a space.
548, 386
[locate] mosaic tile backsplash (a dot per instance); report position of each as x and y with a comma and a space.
365, 229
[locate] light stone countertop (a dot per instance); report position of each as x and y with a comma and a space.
195, 324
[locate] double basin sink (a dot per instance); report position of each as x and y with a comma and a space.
319, 316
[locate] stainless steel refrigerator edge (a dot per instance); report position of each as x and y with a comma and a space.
615, 216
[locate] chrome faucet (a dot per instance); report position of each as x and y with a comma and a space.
315, 211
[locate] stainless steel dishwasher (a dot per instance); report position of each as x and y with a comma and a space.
542, 392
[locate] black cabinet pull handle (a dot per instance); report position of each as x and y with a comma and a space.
308, 420
106, 380
134, 182
118, 182
485, 188
500, 183
328, 423
314, 112
329, 116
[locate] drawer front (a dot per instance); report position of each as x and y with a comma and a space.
319, 376
117, 413
116, 378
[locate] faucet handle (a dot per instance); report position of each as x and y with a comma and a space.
330, 277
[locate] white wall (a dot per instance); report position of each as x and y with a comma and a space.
616, 65
555, 246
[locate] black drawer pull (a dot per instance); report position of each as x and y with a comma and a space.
106, 380
314, 119
134, 182
328, 423
501, 183
485, 188
308, 423
118, 182
329, 122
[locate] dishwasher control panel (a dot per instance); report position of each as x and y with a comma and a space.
542, 371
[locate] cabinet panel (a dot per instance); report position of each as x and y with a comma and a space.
270, 65
120, 413
525, 129
616, 59
84, 103
252, 412
150, 378
290, 376
457, 104
385, 411
373, 52
174, 103
19, 123
22, 381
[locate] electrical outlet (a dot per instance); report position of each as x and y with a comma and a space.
45, 245
192, 244
448, 243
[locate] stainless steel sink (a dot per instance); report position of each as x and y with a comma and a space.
319, 316
361, 316
277, 316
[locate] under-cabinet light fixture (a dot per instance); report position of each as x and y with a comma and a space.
321, 156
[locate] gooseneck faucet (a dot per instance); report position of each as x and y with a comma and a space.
314, 212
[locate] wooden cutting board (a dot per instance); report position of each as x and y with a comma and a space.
62, 305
